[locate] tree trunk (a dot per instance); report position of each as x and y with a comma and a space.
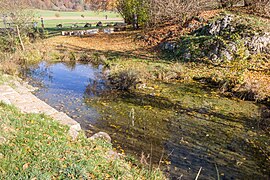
135, 21
19, 35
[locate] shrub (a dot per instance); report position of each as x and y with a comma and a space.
129, 8
124, 80
161, 11
57, 15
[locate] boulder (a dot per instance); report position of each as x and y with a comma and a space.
4, 100
170, 46
221, 25
259, 43
101, 135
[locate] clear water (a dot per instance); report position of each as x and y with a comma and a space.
63, 86
189, 129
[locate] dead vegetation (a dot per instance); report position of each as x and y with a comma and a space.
173, 30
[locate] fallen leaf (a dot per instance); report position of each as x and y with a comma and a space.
25, 166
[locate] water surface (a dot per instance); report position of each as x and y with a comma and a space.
181, 126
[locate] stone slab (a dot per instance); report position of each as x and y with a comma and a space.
29, 103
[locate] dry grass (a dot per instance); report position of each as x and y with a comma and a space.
116, 45
173, 30
122, 41
256, 85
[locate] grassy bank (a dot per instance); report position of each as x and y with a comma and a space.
35, 147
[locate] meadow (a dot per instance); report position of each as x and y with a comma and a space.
67, 19
50, 13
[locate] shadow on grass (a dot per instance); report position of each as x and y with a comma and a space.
139, 53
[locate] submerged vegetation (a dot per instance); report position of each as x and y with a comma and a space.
188, 117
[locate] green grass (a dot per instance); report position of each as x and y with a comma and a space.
98, 16
75, 17
39, 147
48, 13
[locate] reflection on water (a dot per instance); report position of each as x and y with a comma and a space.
65, 86
186, 129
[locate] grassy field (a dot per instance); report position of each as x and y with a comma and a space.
48, 13
67, 19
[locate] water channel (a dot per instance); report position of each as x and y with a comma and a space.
181, 126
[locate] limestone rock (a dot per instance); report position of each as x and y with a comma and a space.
4, 100
221, 25
73, 133
101, 135
259, 43
168, 46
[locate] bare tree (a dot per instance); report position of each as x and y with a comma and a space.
17, 13
18, 19
164, 10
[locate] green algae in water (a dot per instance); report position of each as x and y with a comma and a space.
187, 122
194, 126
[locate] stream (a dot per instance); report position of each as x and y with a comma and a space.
178, 126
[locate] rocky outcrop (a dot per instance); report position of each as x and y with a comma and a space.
221, 25
259, 43
221, 40
233, 35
